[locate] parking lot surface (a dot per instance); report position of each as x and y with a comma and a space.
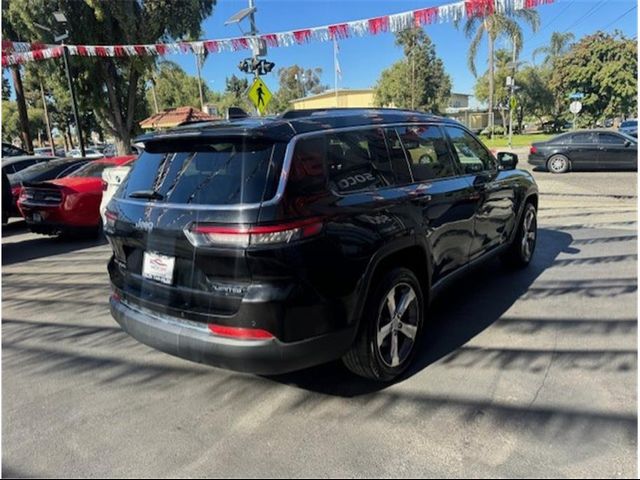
530, 373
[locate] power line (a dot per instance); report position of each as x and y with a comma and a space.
553, 20
621, 16
586, 15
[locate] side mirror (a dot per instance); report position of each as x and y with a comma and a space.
507, 161
627, 143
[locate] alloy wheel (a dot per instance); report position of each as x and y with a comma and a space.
529, 230
397, 325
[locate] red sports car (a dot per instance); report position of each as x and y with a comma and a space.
69, 205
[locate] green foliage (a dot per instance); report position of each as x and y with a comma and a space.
498, 26
296, 82
111, 86
11, 121
175, 88
604, 68
558, 46
419, 81
6, 89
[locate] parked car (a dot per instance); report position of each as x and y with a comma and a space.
586, 150
68, 205
112, 178
88, 153
12, 165
630, 127
9, 150
6, 198
40, 172
273, 245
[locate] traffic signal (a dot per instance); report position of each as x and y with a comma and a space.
257, 66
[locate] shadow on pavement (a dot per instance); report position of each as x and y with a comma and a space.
34, 248
489, 291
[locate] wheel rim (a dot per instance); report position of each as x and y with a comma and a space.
558, 164
529, 230
397, 325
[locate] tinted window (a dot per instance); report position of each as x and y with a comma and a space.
629, 123
427, 151
224, 172
398, 159
582, 138
472, 155
44, 171
92, 169
611, 139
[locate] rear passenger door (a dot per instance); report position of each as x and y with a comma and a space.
584, 152
441, 198
493, 192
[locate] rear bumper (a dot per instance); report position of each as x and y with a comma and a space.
537, 160
193, 341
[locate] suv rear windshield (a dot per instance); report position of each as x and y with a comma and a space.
225, 171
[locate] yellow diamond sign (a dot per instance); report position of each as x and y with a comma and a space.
260, 95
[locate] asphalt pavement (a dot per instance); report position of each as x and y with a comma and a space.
523, 374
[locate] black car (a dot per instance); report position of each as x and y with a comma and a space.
586, 150
11, 165
269, 246
40, 172
9, 150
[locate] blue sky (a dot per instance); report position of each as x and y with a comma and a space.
362, 59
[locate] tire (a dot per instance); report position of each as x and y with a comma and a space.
521, 251
558, 164
372, 354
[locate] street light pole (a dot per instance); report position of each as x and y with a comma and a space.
511, 98
65, 55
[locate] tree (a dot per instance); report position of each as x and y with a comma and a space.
495, 26
558, 46
535, 98
113, 86
419, 80
174, 88
6, 88
501, 92
604, 68
296, 82
11, 127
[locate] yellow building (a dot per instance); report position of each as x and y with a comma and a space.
329, 99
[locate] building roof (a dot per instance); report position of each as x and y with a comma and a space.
295, 122
173, 117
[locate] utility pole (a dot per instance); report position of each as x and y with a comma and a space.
74, 104
511, 98
46, 118
199, 61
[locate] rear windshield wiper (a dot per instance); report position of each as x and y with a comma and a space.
148, 194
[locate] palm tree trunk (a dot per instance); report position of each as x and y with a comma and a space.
491, 79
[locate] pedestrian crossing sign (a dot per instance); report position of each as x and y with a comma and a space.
260, 95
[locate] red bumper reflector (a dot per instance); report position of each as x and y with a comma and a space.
239, 333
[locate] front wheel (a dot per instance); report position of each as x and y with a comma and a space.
521, 250
390, 328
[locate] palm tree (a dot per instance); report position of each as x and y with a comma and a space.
558, 46
495, 26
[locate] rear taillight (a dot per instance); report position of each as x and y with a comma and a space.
15, 191
239, 333
243, 236
110, 218
533, 150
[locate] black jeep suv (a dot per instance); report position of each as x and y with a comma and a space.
273, 245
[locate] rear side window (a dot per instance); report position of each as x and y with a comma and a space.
228, 171
427, 151
92, 169
355, 160
582, 138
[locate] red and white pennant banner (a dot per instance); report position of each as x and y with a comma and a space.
14, 53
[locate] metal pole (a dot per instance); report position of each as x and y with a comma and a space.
46, 117
513, 86
65, 55
198, 67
